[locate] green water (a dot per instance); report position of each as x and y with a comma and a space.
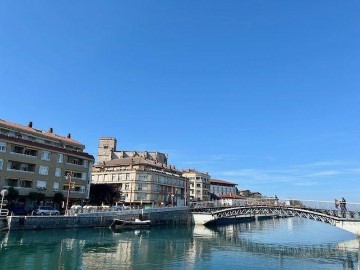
271, 244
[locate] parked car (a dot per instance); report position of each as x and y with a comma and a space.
46, 210
18, 211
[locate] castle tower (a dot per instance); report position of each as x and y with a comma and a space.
107, 145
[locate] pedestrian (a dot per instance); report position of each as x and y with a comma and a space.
343, 204
337, 203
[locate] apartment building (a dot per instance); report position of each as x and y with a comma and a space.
222, 187
199, 185
33, 160
142, 177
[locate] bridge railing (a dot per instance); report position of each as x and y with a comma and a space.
322, 205
296, 203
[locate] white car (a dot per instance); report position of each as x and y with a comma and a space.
46, 210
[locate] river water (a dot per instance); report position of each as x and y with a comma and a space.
291, 243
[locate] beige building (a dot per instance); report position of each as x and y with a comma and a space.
222, 187
199, 185
33, 160
141, 177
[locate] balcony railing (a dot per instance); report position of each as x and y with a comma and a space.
16, 170
23, 155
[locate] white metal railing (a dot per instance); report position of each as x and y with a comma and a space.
21, 171
4, 212
312, 204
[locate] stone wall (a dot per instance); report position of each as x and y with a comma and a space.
158, 216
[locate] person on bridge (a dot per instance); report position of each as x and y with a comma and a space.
343, 207
343, 204
337, 203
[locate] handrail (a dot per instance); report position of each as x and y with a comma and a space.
4, 212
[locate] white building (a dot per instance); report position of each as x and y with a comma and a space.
222, 187
199, 185
141, 177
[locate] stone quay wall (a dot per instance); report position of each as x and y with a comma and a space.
158, 216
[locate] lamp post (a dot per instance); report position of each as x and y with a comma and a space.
3, 192
68, 176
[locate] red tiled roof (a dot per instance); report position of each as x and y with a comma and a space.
231, 196
45, 146
222, 182
35, 132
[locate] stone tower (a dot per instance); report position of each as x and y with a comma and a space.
107, 145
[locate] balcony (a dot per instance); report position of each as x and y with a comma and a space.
21, 167
23, 151
78, 162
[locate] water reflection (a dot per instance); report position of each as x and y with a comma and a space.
274, 243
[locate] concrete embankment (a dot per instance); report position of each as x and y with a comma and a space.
158, 216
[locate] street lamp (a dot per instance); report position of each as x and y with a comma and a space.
68, 176
3, 193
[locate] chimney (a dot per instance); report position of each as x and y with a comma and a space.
68, 136
30, 124
51, 130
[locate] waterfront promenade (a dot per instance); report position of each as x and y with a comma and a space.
347, 217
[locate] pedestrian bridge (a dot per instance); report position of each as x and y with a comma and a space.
346, 217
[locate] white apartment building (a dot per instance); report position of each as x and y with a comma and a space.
142, 178
222, 187
199, 185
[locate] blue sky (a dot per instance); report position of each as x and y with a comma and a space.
261, 93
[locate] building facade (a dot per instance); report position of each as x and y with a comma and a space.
32, 160
199, 185
222, 187
142, 178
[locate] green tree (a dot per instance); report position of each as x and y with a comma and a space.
103, 193
58, 198
12, 195
37, 196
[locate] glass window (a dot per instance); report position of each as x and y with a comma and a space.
58, 172
60, 158
43, 170
56, 186
2, 147
41, 185
45, 155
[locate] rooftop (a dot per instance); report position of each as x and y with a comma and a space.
36, 132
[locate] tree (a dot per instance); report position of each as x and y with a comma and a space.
37, 196
12, 195
58, 198
104, 193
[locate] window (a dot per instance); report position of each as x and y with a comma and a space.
58, 172
45, 155
85, 163
1, 164
82, 189
43, 170
41, 185
56, 186
2, 147
142, 177
60, 158
26, 184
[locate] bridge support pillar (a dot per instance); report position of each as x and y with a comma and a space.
351, 226
202, 218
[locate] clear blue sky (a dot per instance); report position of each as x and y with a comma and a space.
261, 93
